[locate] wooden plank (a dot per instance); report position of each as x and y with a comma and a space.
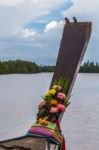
73, 45
23, 143
74, 42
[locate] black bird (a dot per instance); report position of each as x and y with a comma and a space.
75, 19
67, 20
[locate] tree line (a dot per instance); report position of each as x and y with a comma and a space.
21, 66
89, 67
18, 66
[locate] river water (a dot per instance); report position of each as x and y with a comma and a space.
19, 98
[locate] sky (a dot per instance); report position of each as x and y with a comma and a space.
32, 29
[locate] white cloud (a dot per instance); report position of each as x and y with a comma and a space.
13, 18
10, 2
26, 33
53, 25
86, 10
29, 45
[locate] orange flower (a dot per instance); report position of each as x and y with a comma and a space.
40, 120
43, 121
53, 102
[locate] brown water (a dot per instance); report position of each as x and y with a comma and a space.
19, 98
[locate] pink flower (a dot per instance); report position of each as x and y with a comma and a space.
61, 107
61, 96
53, 110
42, 104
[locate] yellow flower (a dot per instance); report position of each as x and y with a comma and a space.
52, 91
54, 87
40, 120
43, 121
53, 102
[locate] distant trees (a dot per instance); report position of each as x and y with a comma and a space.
4, 68
47, 68
20, 66
89, 67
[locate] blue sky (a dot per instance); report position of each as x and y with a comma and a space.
32, 30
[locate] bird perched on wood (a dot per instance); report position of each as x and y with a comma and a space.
67, 20
75, 19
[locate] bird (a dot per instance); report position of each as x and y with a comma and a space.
67, 20
75, 19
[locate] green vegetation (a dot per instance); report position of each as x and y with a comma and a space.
89, 67
20, 66
47, 68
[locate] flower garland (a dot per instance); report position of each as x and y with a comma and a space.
53, 103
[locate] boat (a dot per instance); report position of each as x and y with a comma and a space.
73, 45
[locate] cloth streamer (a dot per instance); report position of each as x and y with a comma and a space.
51, 132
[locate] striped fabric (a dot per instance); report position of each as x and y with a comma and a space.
49, 131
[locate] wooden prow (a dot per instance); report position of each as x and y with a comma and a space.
73, 45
